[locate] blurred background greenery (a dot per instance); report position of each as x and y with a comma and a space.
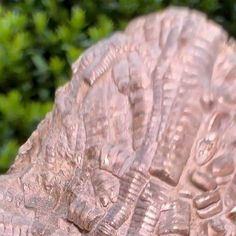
40, 39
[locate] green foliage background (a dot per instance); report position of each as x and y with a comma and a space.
40, 39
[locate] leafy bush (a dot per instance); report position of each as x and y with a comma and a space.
40, 39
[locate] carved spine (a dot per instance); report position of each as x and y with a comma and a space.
131, 185
84, 214
106, 186
116, 160
99, 59
141, 98
171, 153
230, 195
204, 181
175, 219
97, 68
121, 76
208, 204
147, 211
14, 225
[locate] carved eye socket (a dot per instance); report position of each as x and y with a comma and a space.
229, 95
207, 146
233, 143
134, 85
124, 87
207, 102
226, 86
206, 149
18, 200
219, 121
92, 153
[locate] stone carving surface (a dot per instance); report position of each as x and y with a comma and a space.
141, 141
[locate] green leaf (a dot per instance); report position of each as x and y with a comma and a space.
64, 33
102, 29
210, 5
73, 53
8, 153
77, 19
40, 64
129, 6
56, 65
11, 107
40, 20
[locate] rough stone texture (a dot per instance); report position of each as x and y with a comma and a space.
141, 141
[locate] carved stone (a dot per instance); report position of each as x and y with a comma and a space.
141, 141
